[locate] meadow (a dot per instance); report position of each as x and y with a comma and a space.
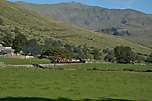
17, 61
76, 82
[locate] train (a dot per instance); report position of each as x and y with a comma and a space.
70, 61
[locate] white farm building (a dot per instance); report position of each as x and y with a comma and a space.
6, 50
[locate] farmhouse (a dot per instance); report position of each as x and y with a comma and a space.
6, 50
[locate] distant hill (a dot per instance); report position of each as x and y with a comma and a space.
120, 22
32, 25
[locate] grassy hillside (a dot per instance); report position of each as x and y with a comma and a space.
133, 24
40, 28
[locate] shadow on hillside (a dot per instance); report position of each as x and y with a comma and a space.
59, 99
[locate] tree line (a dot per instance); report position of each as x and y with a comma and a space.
58, 48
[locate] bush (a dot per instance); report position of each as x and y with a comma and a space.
124, 54
149, 58
1, 21
109, 57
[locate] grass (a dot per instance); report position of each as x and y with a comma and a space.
111, 67
15, 61
77, 84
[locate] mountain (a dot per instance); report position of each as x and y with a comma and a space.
33, 25
131, 24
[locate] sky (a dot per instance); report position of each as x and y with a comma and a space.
141, 5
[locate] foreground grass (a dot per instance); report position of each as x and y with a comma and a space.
15, 61
111, 67
75, 84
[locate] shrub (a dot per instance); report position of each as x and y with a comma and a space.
124, 54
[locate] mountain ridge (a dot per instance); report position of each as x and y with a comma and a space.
78, 3
77, 8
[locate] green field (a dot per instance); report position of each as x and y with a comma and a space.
76, 82
15, 61
110, 67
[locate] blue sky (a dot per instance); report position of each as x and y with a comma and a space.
141, 5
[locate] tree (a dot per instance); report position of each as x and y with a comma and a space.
96, 53
140, 58
55, 55
7, 40
19, 42
109, 55
53, 43
149, 58
124, 54
77, 52
32, 47
84, 52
